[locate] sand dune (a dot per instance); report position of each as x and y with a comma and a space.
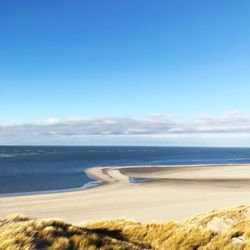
174, 193
225, 229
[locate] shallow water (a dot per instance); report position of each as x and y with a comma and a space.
38, 168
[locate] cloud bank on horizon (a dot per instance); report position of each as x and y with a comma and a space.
233, 127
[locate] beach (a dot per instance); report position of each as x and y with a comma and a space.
170, 193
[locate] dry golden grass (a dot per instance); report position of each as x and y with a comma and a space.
222, 229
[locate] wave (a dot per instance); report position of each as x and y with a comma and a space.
2, 155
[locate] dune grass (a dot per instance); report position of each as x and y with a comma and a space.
221, 229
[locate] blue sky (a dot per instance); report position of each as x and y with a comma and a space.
88, 60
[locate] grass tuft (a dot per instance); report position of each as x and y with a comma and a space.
221, 229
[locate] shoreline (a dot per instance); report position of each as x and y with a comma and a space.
88, 171
199, 187
97, 181
88, 185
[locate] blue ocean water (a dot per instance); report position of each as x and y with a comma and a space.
40, 168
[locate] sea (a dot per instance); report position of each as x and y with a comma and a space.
25, 169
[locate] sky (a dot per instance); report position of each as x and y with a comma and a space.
134, 72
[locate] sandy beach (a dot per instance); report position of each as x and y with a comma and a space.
173, 192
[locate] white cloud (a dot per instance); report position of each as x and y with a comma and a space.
47, 122
153, 127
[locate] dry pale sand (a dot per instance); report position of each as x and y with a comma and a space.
174, 193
